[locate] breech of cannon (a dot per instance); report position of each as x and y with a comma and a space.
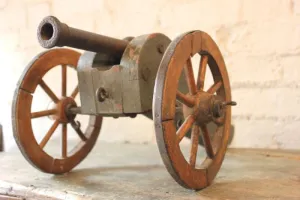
52, 32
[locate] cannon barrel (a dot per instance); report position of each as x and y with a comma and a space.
52, 32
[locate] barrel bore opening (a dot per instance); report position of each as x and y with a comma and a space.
47, 31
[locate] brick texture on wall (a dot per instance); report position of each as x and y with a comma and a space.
260, 41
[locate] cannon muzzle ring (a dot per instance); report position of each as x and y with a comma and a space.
51, 31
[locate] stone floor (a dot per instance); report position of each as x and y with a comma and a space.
131, 171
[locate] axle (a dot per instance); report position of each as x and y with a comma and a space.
71, 111
51, 33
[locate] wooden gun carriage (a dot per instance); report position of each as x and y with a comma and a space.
149, 75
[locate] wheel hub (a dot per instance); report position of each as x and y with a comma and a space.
202, 111
207, 108
62, 106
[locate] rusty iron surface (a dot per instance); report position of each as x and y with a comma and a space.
51, 33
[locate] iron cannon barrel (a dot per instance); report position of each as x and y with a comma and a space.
52, 32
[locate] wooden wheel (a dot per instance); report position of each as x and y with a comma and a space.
22, 115
200, 108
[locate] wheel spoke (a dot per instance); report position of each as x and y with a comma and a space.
43, 113
215, 87
46, 88
202, 72
63, 80
194, 149
185, 99
64, 141
217, 139
75, 92
189, 75
49, 134
207, 142
186, 125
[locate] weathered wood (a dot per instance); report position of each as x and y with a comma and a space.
36, 153
199, 108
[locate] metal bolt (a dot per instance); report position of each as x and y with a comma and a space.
230, 103
101, 94
218, 108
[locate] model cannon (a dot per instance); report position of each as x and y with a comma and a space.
149, 75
